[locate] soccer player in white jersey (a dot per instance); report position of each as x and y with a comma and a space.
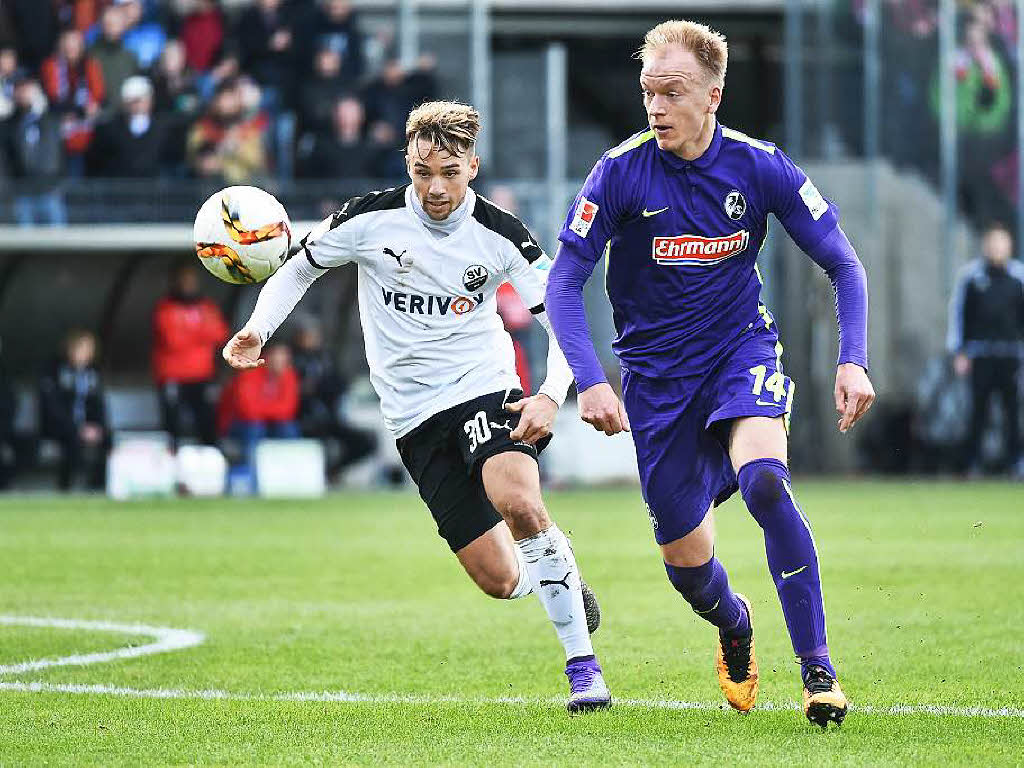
431, 256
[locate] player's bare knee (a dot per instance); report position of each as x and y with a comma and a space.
523, 511
497, 585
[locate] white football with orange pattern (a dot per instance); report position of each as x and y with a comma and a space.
242, 235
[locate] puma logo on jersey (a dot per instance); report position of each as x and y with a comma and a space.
396, 256
418, 304
564, 581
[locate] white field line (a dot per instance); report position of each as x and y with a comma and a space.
170, 639
166, 639
345, 697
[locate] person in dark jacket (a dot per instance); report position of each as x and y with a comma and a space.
132, 144
33, 154
72, 412
321, 390
986, 339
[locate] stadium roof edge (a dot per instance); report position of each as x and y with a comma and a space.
88, 238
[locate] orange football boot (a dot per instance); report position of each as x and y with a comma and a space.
737, 666
824, 700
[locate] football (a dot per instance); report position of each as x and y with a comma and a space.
242, 235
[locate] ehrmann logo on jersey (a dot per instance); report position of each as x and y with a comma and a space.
418, 304
688, 250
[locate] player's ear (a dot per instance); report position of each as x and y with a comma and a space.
474, 166
714, 99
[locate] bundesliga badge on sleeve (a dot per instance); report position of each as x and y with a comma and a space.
585, 213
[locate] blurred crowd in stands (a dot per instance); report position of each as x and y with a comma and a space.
985, 70
187, 89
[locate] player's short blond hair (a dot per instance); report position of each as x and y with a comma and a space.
447, 125
701, 40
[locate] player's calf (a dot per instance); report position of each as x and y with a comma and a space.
792, 557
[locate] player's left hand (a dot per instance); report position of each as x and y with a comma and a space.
536, 415
854, 394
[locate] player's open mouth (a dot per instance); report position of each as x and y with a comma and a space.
662, 130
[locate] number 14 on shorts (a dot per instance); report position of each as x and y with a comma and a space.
774, 384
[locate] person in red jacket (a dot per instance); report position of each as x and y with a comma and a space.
188, 329
262, 402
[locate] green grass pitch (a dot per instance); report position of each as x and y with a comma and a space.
355, 593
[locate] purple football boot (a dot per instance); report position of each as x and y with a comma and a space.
587, 689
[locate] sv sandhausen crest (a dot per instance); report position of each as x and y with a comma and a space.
474, 277
735, 205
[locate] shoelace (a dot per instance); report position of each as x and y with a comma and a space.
736, 651
818, 680
580, 678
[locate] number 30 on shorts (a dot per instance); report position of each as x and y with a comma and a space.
478, 430
775, 384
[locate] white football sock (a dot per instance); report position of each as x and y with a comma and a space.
524, 586
556, 580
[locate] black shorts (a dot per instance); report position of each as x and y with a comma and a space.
444, 456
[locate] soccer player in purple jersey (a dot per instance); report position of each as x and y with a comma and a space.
682, 210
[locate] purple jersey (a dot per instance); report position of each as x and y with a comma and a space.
683, 237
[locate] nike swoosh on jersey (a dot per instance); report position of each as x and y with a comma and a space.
786, 575
762, 402
647, 214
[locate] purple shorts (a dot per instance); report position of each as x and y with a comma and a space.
681, 426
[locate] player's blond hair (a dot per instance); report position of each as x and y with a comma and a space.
701, 40
447, 125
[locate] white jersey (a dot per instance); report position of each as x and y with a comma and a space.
427, 303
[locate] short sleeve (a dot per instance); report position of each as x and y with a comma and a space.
807, 216
598, 210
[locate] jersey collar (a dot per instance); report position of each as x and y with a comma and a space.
702, 162
442, 229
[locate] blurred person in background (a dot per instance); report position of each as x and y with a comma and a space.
202, 33
132, 143
8, 70
341, 152
269, 50
187, 330
261, 402
73, 413
33, 153
320, 93
74, 85
388, 99
176, 101
226, 143
115, 61
144, 37
986, 339
335, 25
322, 389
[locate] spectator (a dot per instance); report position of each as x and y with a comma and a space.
8, 70
74, 84
262, 402
143, 37
320, 93
176, 99
336, 26
33, 155
226, 143
389, 99
269, 49
132, 143
188, 331
202, 33
116, 62
342, 153
986, 338
322, 389
72, 412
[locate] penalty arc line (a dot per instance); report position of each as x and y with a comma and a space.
345, 697
170, 639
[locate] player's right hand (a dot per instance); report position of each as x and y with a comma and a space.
243, 350
601, 408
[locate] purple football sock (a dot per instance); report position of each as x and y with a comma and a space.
792, 558
706, 589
